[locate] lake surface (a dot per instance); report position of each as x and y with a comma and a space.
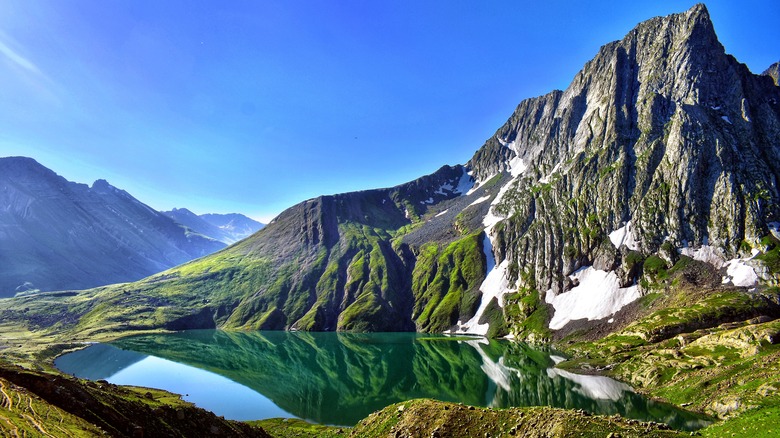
340, 378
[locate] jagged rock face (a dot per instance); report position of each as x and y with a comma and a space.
662, 129
773, 72
55, 234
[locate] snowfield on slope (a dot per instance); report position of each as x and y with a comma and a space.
598, 295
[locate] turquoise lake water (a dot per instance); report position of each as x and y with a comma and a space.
340, 378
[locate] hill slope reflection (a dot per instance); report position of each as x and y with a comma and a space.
339, 378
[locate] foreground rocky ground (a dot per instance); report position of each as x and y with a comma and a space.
49, 405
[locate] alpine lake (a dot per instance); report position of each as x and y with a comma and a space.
340, 378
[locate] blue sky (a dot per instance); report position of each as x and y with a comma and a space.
252, 106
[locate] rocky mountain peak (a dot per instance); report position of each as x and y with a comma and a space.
102, 186
661, 129
773, 72
24, 167
677, 56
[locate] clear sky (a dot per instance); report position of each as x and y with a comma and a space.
252, 106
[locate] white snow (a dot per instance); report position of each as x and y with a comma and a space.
479, 201
491, 219
495, 286
442, 213
427, 201
706, 253
557, 359
594, 387
597, 296
465, 183
624, 236
547, 177
740, 274
726, 118
517, 166
715, 107
441, 190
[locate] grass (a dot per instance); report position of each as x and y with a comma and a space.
295, 428
445, 283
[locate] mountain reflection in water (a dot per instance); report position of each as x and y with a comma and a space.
340, 378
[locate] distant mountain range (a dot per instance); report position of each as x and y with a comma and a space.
59, 235
227, 228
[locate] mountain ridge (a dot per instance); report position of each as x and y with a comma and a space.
227, 228
58, 234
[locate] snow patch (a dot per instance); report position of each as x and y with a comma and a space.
465, 183
495, 285
479, 201
546, 179
491, 219
517, 166
427, 201
593, 387
707, 254
739, 273
597, 296
441, 190
624, 236
726, 118
557, 359
442, 213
